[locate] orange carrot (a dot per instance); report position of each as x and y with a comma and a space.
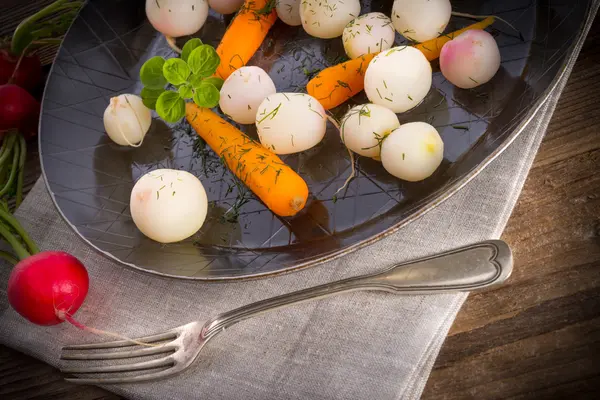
336, 84
282, 190
432, 48
245, 34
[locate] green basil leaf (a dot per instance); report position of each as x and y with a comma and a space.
215, 81
149, 97
185, 92
204, 61
151, 73
176, 71
190, 46
196, 80
170, 106
207, 96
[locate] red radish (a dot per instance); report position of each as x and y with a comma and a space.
48, 288
470, 59
18, 109
28, 75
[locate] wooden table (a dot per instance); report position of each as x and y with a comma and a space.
536, 337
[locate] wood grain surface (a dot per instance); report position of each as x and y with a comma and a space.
538, 336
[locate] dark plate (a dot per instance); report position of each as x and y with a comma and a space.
90, 178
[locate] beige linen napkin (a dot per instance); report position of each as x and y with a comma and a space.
354, 346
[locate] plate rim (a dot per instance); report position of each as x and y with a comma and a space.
450, 191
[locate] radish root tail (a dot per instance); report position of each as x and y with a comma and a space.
66, 316
352, 160
172, 45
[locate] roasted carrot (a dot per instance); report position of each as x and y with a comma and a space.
282, 190
336, 84
245, 34
432, 48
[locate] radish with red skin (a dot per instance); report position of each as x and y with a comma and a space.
18, 109
48, 287
27, 76
45, 288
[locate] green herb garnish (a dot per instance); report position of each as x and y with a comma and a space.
190, 76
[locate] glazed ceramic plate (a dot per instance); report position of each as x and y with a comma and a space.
90, 177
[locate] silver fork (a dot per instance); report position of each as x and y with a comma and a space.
466, 269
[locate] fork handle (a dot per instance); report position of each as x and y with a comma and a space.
469, 268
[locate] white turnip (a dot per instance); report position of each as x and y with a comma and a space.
412, 152
370, 33
290, 122
471, 59
398, 79
289, 12
327, 19
168, 205
127, 120
364, 128
243, 92
421, 20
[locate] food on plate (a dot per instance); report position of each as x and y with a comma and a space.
244, 35
470, 59
289, 11
127, 120
281, 189
176, 18
336, 84
395, 79
243, 92
225, 6
398, 79
364, 128
190, 77
370, 33
432, 48
421, 20
327, 19
47, 288
413, 151
290, 122
168, 205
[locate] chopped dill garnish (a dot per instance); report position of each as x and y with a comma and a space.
272, 114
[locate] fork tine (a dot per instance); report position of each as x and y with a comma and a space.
130, 379
122, 343
148, 351
161, 362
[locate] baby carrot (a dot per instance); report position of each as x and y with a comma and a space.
282, 190
336, 84
432, 48
245, 34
